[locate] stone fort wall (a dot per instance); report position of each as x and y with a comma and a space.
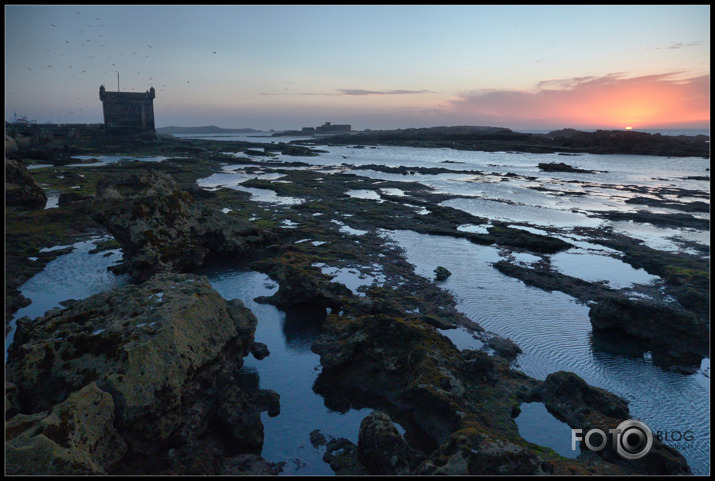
128, 110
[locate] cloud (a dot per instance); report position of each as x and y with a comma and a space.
382, 92
610, 100
355, 92
676, 46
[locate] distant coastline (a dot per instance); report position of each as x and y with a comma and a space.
208, 129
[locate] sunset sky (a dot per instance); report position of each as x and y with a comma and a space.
376, 67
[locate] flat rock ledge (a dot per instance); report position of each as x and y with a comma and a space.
144, 379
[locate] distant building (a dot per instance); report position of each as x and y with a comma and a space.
128, 113
327, 127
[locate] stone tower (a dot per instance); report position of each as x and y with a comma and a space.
128, 113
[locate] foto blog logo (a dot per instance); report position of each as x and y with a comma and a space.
632, 439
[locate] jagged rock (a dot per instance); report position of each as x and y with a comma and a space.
21, 189
162, 228
675, 332
441, 273
571, 399
77, 436
468, 452
259, 350
342, 456
250, 464
165, 351
68, 198
317, 438
301, 284
381, 448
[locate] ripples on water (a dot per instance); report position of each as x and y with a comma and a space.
554, 332
552, 329
290, 370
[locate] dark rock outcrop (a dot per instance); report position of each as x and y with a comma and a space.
675, 332
562, 167
162, 228
571, 399
382, 449
138, 370
21, 189
441, 273
301, 283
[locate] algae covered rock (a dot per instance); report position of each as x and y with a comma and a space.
441, 273
76, 436
163, 352
382, 449
21, 189
162, 228
581, 406
675, 332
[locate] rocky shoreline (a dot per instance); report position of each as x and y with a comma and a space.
147, 378
565, 141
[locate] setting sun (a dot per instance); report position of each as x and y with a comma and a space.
629, 128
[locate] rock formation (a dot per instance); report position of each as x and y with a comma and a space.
162, 229
21, 189
135, 380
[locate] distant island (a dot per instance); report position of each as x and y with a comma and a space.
208, 129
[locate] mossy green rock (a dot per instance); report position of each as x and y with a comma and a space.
141, 344
163, 229
76, 437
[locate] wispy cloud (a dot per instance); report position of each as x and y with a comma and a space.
612, 99
355, 92
679, 45
382, 92
676, 46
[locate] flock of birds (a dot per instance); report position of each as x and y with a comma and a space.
91, 39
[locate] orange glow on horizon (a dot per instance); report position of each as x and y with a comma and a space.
600, 102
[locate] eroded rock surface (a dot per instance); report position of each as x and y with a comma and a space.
456, 405
163, 229
21, 189
162, 360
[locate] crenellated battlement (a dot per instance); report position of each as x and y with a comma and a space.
128, 112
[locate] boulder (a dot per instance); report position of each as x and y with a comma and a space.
581, 406
675, 332
382, 449
165, 352
21, 189
474, 453
162, 229
259, 350
68, 198
441, 273
77, 436
301, 283
342, 456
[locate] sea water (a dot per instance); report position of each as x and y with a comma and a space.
551, 328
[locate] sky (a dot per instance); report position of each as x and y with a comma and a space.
375, 67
